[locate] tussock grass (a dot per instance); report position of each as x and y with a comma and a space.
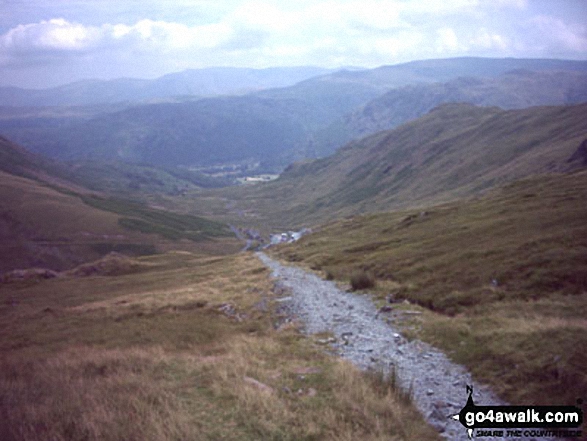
87, 393
500, 280
362, 280
180, 347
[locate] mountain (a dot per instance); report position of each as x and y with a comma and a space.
516, 89
18, 161
266, 127
456, 150
114, 177
277, 126
232, 80
442, 70
195, 82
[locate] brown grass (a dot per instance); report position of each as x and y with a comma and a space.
50, 228
362, 280
501, 280
184, 349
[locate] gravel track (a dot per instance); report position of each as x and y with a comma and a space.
438, 385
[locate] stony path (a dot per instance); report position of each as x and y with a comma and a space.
438, 385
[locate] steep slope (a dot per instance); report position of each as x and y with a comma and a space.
454, 151
267, 127
17, 161
49, 221
273, 126
513, 90
500, 280
114, 177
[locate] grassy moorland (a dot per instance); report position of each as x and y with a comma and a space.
500, 282
173, 347
455, 151
46, 226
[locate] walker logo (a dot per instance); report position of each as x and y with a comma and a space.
518, 421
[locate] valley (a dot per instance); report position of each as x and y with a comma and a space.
129, 284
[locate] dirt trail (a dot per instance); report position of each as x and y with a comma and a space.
438, 385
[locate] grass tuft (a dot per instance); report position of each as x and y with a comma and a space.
361, 279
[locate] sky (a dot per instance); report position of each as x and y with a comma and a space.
45, 43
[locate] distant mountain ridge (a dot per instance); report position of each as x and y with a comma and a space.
515, 89
193, 82
231, 80
269, 126
309, 119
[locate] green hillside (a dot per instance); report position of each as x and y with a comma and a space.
136, 181
42, 226
517, 89
20, 162
112, 177
454, 151
49, 220
499, 282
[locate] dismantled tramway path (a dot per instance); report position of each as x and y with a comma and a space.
437, 385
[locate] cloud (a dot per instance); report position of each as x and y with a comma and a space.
447, 41
551, 33
156, 37
58, 39
487, 40
55, 35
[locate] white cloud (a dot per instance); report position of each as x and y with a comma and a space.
63, 36
447, 41
55, 34
550, 32
156, 37
485, 39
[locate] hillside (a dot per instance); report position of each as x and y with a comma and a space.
500, 282
221, 130
49, 220
454, 151
274, 127
47, 227
18, 161
179, 346
114, 177
516, 89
